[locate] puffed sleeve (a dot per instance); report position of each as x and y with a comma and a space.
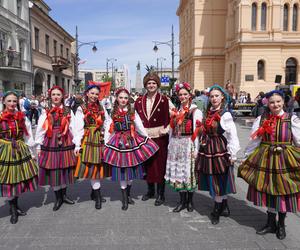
106, 125
79, 127
73, 128
253, 143
233, 144
296, 130
197, 116
40, 132
29, 138
139, 125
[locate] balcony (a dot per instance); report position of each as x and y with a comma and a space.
59, 63
10, 59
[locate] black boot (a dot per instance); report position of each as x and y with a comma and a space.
280, 233
160, 199
130, 200
150, 193
92, 195
215, 214
98, 203
65, 198
58, 201
124, 199
190, 204
19, 210
270, 227
14, 212
225, 209
182, 204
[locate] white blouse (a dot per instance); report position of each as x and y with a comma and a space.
40, 132
197, 115
254, 143
233, 144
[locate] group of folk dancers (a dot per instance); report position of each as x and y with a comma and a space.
150, 140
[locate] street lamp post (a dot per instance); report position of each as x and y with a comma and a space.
171, 45
78, 46
110, 60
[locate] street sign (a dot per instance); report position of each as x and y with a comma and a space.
165, 81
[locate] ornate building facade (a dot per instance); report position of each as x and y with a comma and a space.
248, 42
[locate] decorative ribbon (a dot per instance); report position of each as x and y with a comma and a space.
178, 117
10, 118
199, 128
267, 126
209, 122
58, 114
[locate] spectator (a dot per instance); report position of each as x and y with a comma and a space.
34, 104
296, 103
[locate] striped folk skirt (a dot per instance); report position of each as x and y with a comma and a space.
18, 171
89, 163
273, 177
126, 155
180, 167
213, 168
57, 162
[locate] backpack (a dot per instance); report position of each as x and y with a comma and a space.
26, 104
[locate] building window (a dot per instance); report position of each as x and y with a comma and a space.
19, 8
263, 23
67, 53
261, 70
48, 81
285, 17
47, 44
291, 71
295, 17
62, 50
254, 16
37, 38
55, 47
56, 80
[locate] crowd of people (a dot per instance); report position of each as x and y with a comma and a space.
185, 141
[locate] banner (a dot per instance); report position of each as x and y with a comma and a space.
104, 88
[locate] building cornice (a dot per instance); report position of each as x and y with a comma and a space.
43, 14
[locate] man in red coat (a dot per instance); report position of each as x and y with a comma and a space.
153, 108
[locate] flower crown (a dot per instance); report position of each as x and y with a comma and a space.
121, 89
184, 85
56, 87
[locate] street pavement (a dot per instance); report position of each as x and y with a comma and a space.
142, 226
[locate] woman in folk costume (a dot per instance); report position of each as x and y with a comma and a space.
183, 148
56, 139
219, 145
92, 123
18, 170
272, 167
128, 146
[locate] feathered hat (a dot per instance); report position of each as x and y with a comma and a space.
151, 75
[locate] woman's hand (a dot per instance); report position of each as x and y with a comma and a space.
77, 151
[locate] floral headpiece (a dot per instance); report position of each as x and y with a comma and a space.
223, 91
56, 87
184, 85
9, 92
121, 89
91, 86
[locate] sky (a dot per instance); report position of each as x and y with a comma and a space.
123, 29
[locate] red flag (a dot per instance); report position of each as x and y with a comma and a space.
104, 88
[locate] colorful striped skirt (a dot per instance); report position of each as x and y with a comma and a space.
213, 168
273, 177
90, 164
180, 169
57, 162
273, 172
18, 171
123, 150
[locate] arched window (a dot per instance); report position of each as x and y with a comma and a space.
291, 71
254, 16
286, 17
261, 70
295, 17
263, 21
